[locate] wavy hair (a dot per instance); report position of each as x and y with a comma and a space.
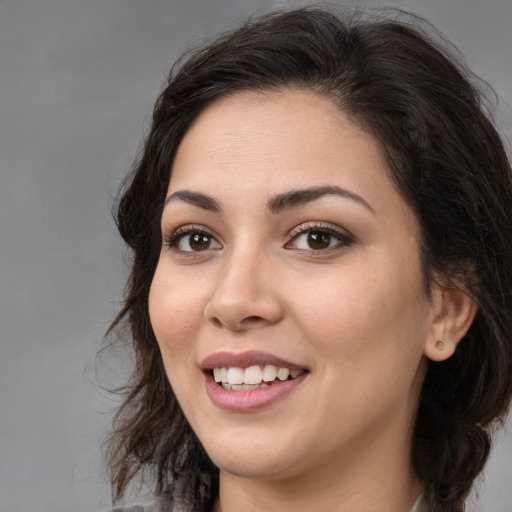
448, 162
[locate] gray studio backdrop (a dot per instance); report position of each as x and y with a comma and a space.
77, 83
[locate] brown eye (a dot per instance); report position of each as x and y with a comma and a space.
318, 240
199, 242
193, 241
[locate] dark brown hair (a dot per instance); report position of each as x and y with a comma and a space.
447, 161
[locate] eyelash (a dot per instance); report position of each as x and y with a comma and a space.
344, 239
179, 234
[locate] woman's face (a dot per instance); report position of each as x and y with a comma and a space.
287, 248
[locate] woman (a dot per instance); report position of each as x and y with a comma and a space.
320, 300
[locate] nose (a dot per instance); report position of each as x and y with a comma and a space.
245, 296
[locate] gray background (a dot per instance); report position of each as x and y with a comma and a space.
77, 82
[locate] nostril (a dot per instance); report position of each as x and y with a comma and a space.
246, 322
216, 322
249, 321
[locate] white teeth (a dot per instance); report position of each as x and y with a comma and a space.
282, 373
269, 373
243, 387
235, 375
219, 374
254, 377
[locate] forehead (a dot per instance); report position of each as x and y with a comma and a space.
270, 142
251, 124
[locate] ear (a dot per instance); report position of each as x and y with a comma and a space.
453, 314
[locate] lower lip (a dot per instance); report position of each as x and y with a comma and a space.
252, 399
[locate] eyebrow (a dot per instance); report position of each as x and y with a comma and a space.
300, 197
277, 204
195, 198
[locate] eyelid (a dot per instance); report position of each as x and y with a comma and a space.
345, 237
305, 227
169, 240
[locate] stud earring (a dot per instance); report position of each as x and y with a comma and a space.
439, 344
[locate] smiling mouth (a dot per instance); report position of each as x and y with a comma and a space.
235, 378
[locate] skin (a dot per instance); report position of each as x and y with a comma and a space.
353, 312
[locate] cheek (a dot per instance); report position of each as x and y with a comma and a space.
367, 333
367, 310
175, 311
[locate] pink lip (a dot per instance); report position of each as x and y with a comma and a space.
246, 359
249, 400
252, 399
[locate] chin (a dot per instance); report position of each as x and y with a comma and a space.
253, 468
252, 460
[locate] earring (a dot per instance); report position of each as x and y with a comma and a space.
439, 344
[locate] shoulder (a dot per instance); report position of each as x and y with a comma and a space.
152, 507
189, 493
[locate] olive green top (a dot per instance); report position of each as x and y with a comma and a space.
417, 505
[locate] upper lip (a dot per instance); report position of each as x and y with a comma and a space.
245, 359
